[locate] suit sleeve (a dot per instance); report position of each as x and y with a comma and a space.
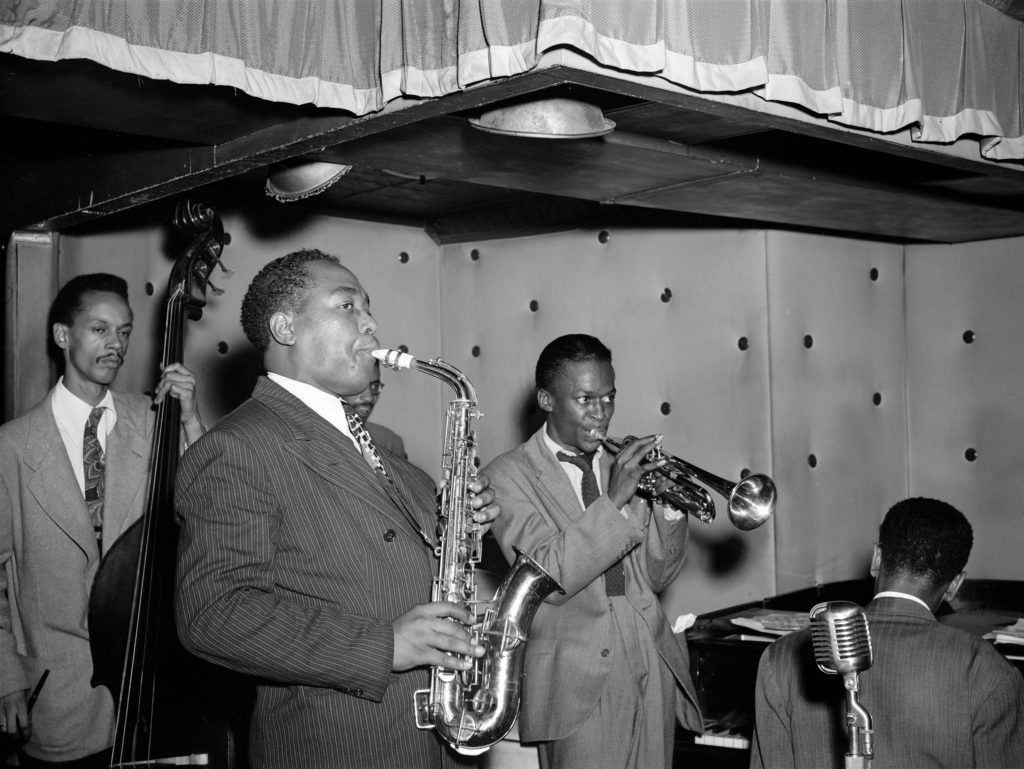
576, 553
13, 676
998, 728
227, 608
664, 548
771, 747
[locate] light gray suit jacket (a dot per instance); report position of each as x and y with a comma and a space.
293, 563
565, 669
49, 556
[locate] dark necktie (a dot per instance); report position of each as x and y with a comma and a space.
614, 577
92, 459
362, 436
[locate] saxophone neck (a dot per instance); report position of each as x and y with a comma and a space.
435, 367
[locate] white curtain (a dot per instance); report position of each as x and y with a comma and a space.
945, 69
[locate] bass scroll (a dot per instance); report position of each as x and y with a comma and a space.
473, 709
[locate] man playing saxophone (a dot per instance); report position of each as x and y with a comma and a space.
605, 677
306, 556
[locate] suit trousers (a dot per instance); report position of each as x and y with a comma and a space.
622, 731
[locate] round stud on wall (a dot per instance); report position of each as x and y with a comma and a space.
666, 295
222, 347
534, 305
603, 236
743, 343
474, 255
812, 461
877, 399
968, 336
403, 258
971, 454
475, 352
808, 341
874, 273
149, 289
666, 408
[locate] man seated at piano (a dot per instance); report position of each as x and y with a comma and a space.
937, 695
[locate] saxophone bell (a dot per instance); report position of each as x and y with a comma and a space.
475, 708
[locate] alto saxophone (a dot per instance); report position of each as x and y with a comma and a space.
475, 708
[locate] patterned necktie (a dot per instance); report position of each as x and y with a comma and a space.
92, 460
362, 436
614, 577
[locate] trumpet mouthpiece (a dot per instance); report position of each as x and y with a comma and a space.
596, 434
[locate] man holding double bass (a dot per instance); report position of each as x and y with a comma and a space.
73, 478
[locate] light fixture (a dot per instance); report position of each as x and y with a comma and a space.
546, 119
292, 180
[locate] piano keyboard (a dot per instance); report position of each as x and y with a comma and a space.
722, 740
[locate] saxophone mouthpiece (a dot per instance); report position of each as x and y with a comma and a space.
395, 359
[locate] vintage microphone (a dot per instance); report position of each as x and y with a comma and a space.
842, 644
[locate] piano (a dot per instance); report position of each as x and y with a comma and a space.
724, 657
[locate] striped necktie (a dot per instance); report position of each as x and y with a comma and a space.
615, 576
362, 436
92, 460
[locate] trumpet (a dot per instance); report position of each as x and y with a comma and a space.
751, 500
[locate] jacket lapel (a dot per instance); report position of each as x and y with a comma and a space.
53, 482
127, 473
342, 465
553, 482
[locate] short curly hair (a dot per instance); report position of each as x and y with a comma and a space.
571, 348
925, 538
282, 285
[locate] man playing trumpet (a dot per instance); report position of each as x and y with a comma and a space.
602, 665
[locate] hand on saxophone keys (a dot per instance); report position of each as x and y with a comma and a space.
482, 501
434, 634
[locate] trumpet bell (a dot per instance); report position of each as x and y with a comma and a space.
752, 501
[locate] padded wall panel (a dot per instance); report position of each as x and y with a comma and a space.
821, 293
672, 306
31, 281
397, 266
966, 395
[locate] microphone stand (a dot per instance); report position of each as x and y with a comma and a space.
858, 725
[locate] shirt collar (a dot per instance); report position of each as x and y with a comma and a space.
326, 404
72, 411
554, 448
905, 596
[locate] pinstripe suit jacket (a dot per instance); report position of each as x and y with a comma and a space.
937, 697
49, 556
565, 669
293, 563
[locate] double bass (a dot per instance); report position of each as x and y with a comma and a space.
171, 707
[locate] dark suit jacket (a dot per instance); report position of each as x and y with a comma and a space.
386, 438
937, 697
565, 670
48, 561
293, 563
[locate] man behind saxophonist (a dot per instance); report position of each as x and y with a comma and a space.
306, 557
605, 676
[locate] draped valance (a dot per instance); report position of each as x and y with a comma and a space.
942, 69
